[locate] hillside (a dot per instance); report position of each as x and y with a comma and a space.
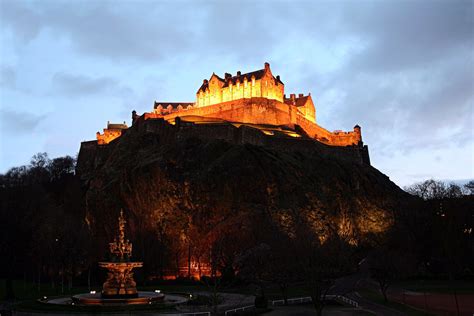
182, 194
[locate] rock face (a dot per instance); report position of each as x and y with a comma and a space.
182, 192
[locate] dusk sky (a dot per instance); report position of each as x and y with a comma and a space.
402, 70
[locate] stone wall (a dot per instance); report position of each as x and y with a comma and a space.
108, 135
92, 154
266, 112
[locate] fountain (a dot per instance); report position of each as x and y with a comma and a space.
120, 283
120, 287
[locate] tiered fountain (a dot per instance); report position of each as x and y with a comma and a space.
120, 282
120, 287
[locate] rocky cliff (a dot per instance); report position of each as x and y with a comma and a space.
182, 193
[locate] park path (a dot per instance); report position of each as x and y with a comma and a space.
308, 310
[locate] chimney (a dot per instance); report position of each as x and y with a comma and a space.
284, 96
300, 95
238, 73
292, 96
267, 66
205, 81
227, 75
278, 78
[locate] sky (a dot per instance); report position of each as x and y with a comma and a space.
402, 70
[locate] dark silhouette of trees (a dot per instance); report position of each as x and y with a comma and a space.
469, 187
441, 228
387, 265
432, 189
321, 260
43, 236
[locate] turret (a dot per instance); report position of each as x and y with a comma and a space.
358, 133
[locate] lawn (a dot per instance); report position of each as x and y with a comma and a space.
29, 291
438, 286
376, 297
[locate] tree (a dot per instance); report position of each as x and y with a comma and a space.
321, 259
387, 265
383, 270
59, 167
432, 189
470, 187
254, 267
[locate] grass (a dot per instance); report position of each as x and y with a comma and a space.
36, 306
29, 291
438, 286
27, 294
271, 292
376, 297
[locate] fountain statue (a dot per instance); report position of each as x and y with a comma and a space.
120, 282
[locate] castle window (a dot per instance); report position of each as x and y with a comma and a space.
253, 81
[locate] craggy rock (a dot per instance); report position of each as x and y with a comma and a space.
181, 194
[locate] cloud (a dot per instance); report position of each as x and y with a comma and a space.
7, 77
19, 123
403, 35
25, 22
402, 70
408, 78
80, 85
139, 31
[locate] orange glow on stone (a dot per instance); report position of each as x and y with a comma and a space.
257, 98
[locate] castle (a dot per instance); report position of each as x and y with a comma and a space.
254, 98
245, 108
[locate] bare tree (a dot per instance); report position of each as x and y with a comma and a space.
387, 265
432, 189
321, 260
470, 187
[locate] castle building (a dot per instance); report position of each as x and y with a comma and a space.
110, 133
256, 99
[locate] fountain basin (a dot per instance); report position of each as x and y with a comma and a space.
142, 297
120, 283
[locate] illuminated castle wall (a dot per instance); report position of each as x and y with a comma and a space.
110, 133
256, 98
260, 83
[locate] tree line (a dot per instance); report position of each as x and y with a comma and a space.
45, 237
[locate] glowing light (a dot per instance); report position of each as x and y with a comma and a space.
293, 134
92, 292
157, 291
44, 297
